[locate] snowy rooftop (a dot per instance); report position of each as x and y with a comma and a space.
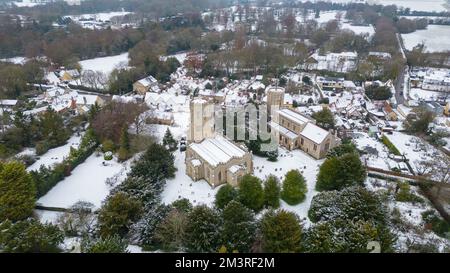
148, 81
292, 115
314, 133
217, 150
284, 131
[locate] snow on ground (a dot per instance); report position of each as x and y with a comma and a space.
420, 94
56, 155
182, 186
46, 216
359, 29
412, 227
86, 183
435, 37
105, 64
412, 147
102, 16
419, 5
179, 56
290, 160
15, 60
380, 158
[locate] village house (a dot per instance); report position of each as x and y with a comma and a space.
145, 85
337, 62
330, 83
295, 131
68, 75
389, 113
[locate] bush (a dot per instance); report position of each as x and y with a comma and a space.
434, 222
339, 172
203, 230
108, 146
112, 244
272, 192
117, 214
108, 156
30, 236
281, 232
404, 194
42, 147
224, 195
294, 188
251, 192
17, 192
391, 147
376, 92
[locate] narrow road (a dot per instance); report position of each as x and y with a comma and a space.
399, 82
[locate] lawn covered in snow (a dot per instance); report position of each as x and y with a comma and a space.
435, 37
86, 183
101, 16
56, 155
105, 64
414, 148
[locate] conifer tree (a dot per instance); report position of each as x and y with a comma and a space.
272, 192
294, 188
17, 192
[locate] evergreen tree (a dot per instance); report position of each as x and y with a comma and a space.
29, 236
110, 244
281, 232
272, 192
169, 141
294, 188
170, 231
324, 118
203, 230
124, 150
238, 227
183, 205
224, 195
17, 192
339, 172
117, 215
156, 164
251, 193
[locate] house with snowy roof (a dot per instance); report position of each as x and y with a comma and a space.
296, 131
146, 84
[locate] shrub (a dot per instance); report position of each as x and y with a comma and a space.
17, 192
272, 192
294, 188
251, 192
339, 172
42, 147
108, 156
108, 146
391, 147
224, 195
281, 232
404, 194
30, 236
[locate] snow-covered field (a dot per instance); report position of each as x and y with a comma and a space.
420, 94
56, 155
105, 64
428, 5
102, 16
15, 60
413, 148
435, 37
359, 29
86, 183
378, 160
290, 160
